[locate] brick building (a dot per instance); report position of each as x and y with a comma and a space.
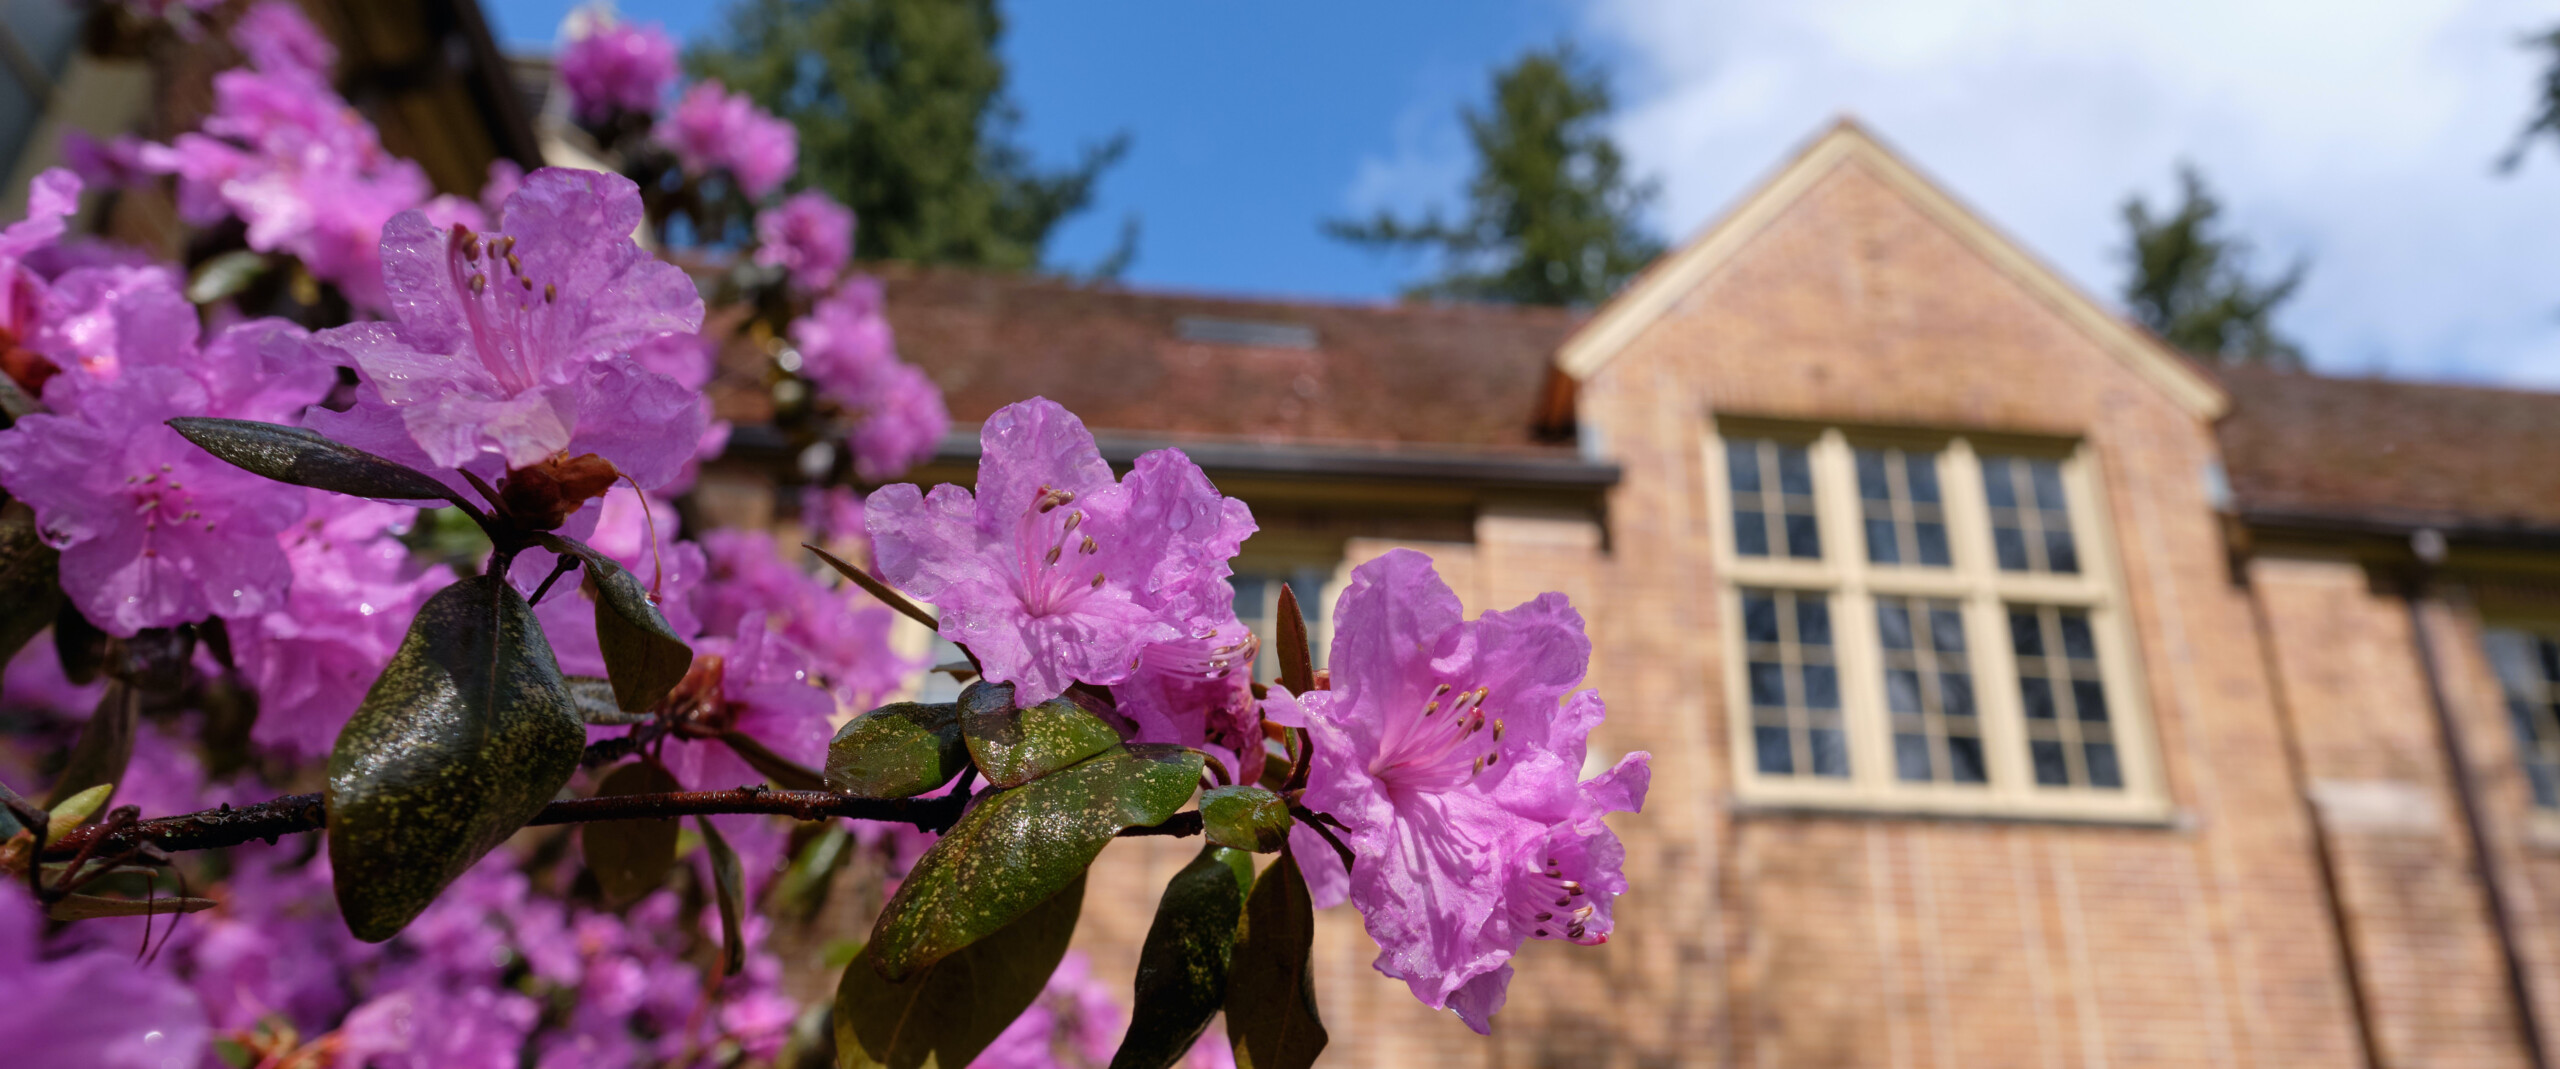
2020, 693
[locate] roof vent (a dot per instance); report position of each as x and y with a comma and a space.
1245, 332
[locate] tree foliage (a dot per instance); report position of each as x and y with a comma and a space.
902, 115
2191, 284
1551, 216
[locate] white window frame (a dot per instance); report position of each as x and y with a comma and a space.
1984, 592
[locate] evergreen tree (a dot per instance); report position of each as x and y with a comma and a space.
2190, 282
1551, 216
2546, 107
901, 112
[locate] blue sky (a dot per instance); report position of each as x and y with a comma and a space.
2359, 134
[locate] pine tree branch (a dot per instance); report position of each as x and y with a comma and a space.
294, 814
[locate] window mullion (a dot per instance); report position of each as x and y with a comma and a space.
1853, 620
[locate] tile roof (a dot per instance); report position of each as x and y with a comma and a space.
2368, 451
1430, 377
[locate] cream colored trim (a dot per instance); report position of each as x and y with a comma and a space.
1851, 586
1618, 322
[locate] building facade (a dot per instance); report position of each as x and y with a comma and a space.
2019, 692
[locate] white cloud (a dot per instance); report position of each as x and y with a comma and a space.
2361, 133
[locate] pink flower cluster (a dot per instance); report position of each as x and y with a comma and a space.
617, 67
848, 351
286, 155
714, 130
810, 236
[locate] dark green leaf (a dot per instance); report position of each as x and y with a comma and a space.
1182, 972
225, 276
1019, 846
593, 697
14, 402
105, 747
304, 457
948, 1012
1271, 990
728, 889
778, 770
1015, 746
1297, 668
467, 734
897, 751
30, 589
642, 655
1246, 818
631, 857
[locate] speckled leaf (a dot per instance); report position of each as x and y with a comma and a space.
948, 1012
631, 857
1019, 846
105, 746
305, 457
643, 656
728, 890
897, 751
467, 734
30, 589
1015, 746
1182, 972
1246, 818
1271, 991
593, 697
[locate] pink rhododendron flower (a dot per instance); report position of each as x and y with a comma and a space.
1444, 751
510, 347
1194, 689
276, 36
617, 67
155, 531
847, 350
898, 424
353, 594
1054, 572
840, 633
810, 235
91, 1008
643, 541
115, 163
505, 177
713, 129
24, 295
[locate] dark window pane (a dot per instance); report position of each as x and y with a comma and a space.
1893, 624
2010, 546
1795, 473
1911, 758
1742, 465
2546, 785
1922, 473
1933, 543
2521, 712
1760, 617
1830, 752
1813, 620
1872, 484
1880, 544
2103, 772
1964, 759
2033, 692
1750, 533
2550, 652
1776, 757
2077, 643
2051, 771
2026, 634
2089, 699
1804, 540
1768, 685
1902, 691
1821, 687
2060, 555
1248, 597
1955, 694
2047, 477
1996, 487
1946, 630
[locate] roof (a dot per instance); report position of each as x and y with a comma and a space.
2301, 448
1847, 144
1424, 377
